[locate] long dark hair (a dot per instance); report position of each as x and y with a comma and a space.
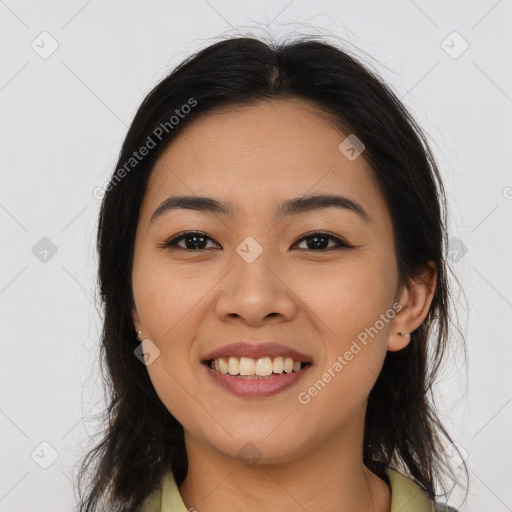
141, 440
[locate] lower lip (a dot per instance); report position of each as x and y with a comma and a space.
257, 388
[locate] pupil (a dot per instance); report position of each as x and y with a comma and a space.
195, 238
316, 245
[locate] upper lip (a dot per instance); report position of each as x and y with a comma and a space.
256, 350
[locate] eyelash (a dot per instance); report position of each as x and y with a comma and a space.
171, 242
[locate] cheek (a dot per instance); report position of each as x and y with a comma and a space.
167, 297
353, 311
350, 297
169, 303
339, 392
355, 347
172, 383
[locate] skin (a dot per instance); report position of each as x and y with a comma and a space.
189, 302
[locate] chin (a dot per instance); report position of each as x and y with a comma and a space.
260, 450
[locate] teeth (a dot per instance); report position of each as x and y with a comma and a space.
233, 366
247, 366
278, 365
223, 365
263, 367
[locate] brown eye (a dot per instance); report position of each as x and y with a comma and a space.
319, 241
192, 241
197, 241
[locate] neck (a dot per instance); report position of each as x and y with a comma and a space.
329, 476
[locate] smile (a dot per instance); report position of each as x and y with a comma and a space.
248, 367
254, 385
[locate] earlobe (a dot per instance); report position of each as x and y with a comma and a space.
398, 340
415, 298
136, 320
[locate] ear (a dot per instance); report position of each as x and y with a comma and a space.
136, 320
415, 298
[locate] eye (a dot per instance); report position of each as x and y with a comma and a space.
197, 241
319, 239
193, 240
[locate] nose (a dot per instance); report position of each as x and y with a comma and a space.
255, 293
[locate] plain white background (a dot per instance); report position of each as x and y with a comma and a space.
72, 76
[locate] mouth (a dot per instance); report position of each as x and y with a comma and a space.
254, 385
260, 368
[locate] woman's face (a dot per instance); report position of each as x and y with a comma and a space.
252, 275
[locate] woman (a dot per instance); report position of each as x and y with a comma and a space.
272, 270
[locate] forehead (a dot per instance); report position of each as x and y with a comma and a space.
257, 155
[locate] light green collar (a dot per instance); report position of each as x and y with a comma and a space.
406, 496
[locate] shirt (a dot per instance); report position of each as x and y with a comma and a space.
406, 496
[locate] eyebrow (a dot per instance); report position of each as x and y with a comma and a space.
289, 207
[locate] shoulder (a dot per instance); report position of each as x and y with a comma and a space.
408, 496
166, 498
153, 503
